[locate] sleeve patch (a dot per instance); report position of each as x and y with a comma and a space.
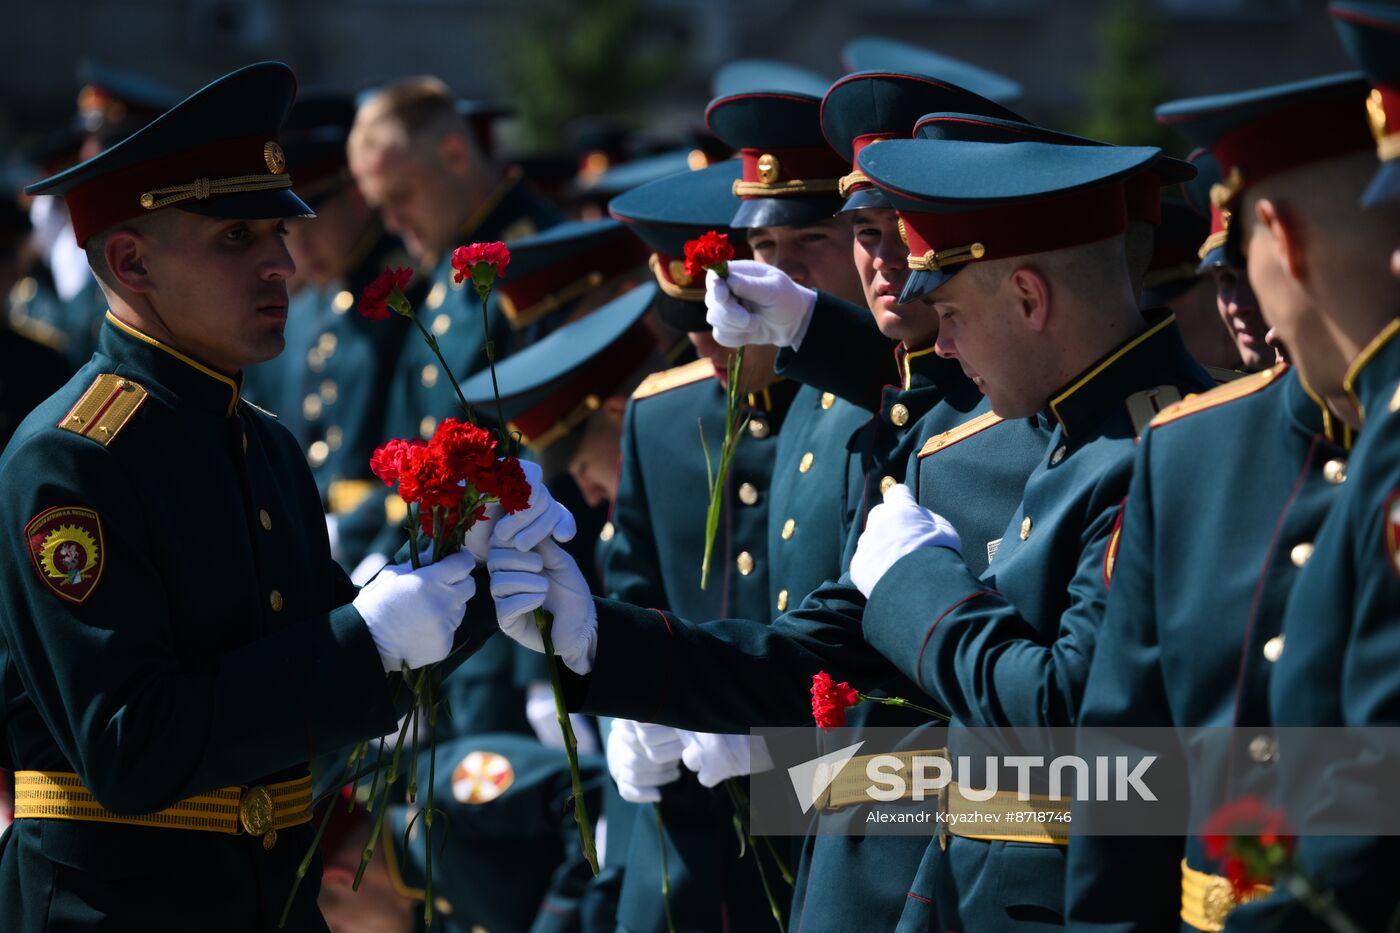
66, 547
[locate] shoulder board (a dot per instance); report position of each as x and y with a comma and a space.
1229, 392
105, 408
669, 379
963, 431
1222, 375
41, 332
260, 408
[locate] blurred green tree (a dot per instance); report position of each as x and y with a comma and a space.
1122, 92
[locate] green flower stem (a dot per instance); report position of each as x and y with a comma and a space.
1320, 903
427, 685
739, 799
544, 622
447, 370
368, 852
900, 701
741, 803
305, 864
485, 292
665, 868
733, 432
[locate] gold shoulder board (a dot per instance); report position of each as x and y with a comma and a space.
105, 408
669, 379
963, 431
1239, 388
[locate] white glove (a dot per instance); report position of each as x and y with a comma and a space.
544, 719
543, 518
478, 536
894, 528
639, 777
523, 581
333, 535
412, 614
715, 758
757, 304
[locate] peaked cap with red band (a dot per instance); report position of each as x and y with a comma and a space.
962, 202
553, 269
215, 153
1371, 34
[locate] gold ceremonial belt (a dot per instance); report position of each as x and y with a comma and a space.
1003, 816
1206, 899
259, 810
852, 786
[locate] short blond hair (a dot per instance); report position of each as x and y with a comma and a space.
407, 114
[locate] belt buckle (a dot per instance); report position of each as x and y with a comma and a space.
256, 814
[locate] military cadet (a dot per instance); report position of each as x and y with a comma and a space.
29, 370
505, 851
329, 385
1174, 281
1338, 663
177, 639
1264, 451
417, 163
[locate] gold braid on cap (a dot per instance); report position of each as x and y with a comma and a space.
202, 188
847, 182
938, 260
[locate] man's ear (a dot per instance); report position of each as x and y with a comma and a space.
125, 252
337, 877
1287, 235
1031, 292
614, 407
455, 153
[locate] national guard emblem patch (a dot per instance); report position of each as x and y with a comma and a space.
1392, 531
481, 777
65, 545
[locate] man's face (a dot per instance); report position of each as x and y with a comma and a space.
1239, 309
982, 331
594, 461
322, 246
882, 261
1291, 315
220, 287
816, 255
414, 194
758, 361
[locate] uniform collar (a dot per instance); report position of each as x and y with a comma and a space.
187, 378
1152, 356
775, 399
1310, 414
1372, 377
921, 368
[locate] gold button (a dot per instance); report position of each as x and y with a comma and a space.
430, 374
329, 391
748, 494
886, 483
745, 563
427, 426
1025, 528
265, 519
1300, 553
441, 324
334, 437
326, 344
758, 428
789, 527
311, 407
1273, 648
443, 906
343, 302
1263, 749
1058, 455
607, 533
828, 400
436, 296
782, 600
806, 463
275, 599
1335, 472
899, 415
318, 451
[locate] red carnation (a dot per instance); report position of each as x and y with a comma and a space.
387, 460
424, 478
464, 447
711, 251
379, 294
1250, 839
505, 482
830, 701
481, 261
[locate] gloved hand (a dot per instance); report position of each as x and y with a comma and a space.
478, 536
543, 518
639, 777
544, 719
715, 758
757, 304
412, 614
523, 581
894, 528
